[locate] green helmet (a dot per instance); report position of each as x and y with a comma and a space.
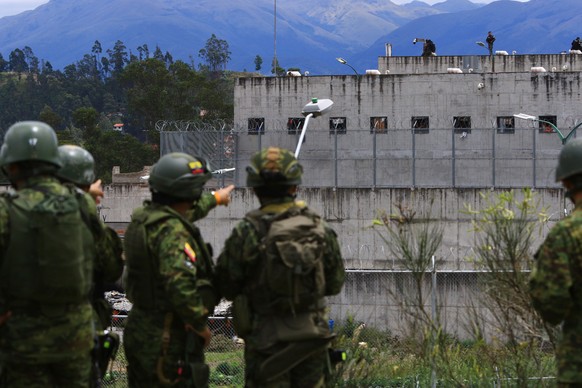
274, 166
180, 176
78, 165
570, 161
30, 141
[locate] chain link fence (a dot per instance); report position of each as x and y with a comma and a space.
355, 156
390, 313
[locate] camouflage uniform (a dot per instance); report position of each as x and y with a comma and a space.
170, 291
238, 269
556, 279
79, 169
41, 348
556, 294
202, 207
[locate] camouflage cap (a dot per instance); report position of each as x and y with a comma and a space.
274, 166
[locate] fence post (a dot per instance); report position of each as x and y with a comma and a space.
413, 158
433, 376
453, 159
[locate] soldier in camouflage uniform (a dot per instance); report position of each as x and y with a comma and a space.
46, 329
556, 280
79, 169
275, 356
169, 280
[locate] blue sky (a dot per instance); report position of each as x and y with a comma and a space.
13, 7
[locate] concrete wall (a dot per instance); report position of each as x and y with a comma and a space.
350, 212
375, 285
487, 157
400, 97
480, 63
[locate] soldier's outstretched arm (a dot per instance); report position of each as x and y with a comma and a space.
209, 201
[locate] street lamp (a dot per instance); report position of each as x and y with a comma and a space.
563, 138
344, 62
313, 109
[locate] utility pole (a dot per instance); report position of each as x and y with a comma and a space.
275, 64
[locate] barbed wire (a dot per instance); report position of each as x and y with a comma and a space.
378, 124
194, 125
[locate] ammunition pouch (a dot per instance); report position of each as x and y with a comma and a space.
193, 373
304, 334
290, 328
242, 316
291, 356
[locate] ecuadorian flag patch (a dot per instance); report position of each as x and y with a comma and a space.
190, 252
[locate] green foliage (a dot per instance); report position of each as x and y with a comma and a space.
85, 99
505, 228
215, 53
258, 62
376, 358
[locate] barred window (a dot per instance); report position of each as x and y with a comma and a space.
545, 127
337, 125
505, 124
420, 124
256, 125
378, 124
295, 125
462, 124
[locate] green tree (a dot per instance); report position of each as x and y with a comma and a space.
3, 63
85, 118
276, 69
118, 56
148, 85
49, 116
31, 60
216, 54
158, 54
258, 63
112, 148
17, 61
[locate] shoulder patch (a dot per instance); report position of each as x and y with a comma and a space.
190, 252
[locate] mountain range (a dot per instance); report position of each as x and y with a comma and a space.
309, 35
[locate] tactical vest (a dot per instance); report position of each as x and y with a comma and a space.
46, 259
292, 247
145, 288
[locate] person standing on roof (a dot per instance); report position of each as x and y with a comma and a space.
490, 40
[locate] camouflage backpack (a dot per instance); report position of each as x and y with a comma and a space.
292, 247
45, 260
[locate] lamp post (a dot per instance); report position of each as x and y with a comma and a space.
344, 62
563, 138
313, 109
